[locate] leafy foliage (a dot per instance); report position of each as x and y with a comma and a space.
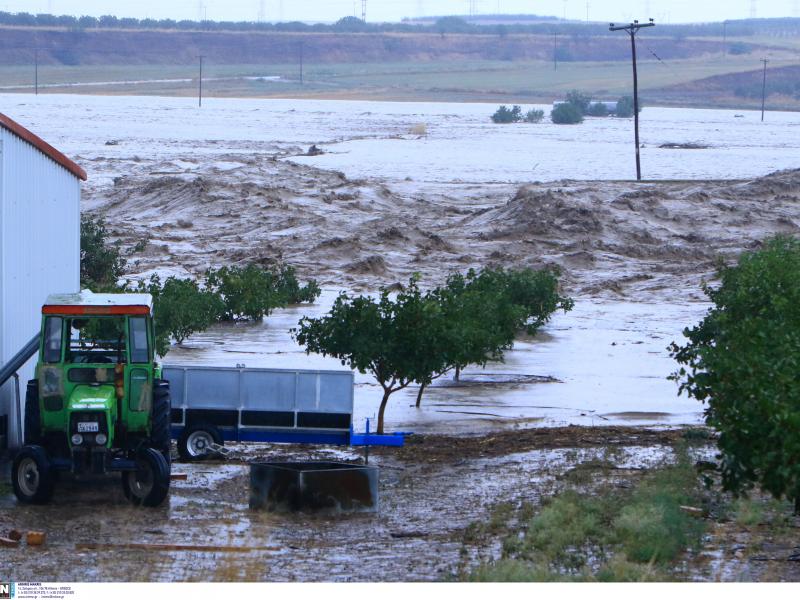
507, 115
387, 337
579, 100
625, 107
181, 308
566, 114
597, 109
417, 336
253, 292
743, 360
534, 116
102, 263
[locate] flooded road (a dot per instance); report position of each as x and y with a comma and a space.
603, 363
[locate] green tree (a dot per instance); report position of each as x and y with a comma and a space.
181, 308
289, 287
387, 337
534, 116
597, 109
246, 293
625, 107
566, 114
482, 313
507, 115
101, 262
742, 360
579, 100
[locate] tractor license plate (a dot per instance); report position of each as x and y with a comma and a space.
92, 427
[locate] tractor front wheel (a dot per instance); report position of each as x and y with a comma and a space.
148, 485
32, 476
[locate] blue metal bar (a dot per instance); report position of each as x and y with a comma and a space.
19, 359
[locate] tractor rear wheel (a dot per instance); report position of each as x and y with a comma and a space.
32, 476
33, 423
148, 485
160, 438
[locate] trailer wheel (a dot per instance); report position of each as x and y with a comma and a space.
148, 485
195, 441
32, 476
33, 423
162, 408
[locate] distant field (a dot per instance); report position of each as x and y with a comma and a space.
458, 80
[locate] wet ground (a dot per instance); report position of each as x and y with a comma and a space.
433, 494
430, 492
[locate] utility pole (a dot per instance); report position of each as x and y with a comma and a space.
587, 12
200, 88
632, 30
36, 71
555, 51
302, 53
764, 89
364, 10
724, 38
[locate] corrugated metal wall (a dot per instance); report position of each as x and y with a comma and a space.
39, 250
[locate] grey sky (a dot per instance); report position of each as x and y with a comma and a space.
392, 10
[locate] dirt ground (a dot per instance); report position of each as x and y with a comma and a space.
433, 494
611, 239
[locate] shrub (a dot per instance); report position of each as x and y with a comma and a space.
579, 100
181, 308
534, 116
247, 293
506, 115
290, 290
566, 114
625, 107
101, 263
597, 109
741, 360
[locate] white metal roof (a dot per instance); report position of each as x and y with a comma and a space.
87, 298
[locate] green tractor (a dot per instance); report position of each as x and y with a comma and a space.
98, 403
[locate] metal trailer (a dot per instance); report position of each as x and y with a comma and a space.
211, 405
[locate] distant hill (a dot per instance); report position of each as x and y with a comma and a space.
123, 47
738, 89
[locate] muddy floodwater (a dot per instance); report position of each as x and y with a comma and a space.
401, 189
603, 363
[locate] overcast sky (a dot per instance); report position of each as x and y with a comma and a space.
673, 11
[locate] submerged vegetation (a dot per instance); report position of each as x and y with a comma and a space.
415, 336
185, 306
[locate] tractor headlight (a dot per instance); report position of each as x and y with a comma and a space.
77, 439
101, 439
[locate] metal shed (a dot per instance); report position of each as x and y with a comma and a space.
40, 191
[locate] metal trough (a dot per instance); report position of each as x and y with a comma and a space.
313, 486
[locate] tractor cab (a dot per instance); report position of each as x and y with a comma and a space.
98, 403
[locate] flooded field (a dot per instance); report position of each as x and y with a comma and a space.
184, 189
603, 363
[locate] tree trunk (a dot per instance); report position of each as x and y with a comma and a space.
457, 375
419, 394
797, 506
386, 394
